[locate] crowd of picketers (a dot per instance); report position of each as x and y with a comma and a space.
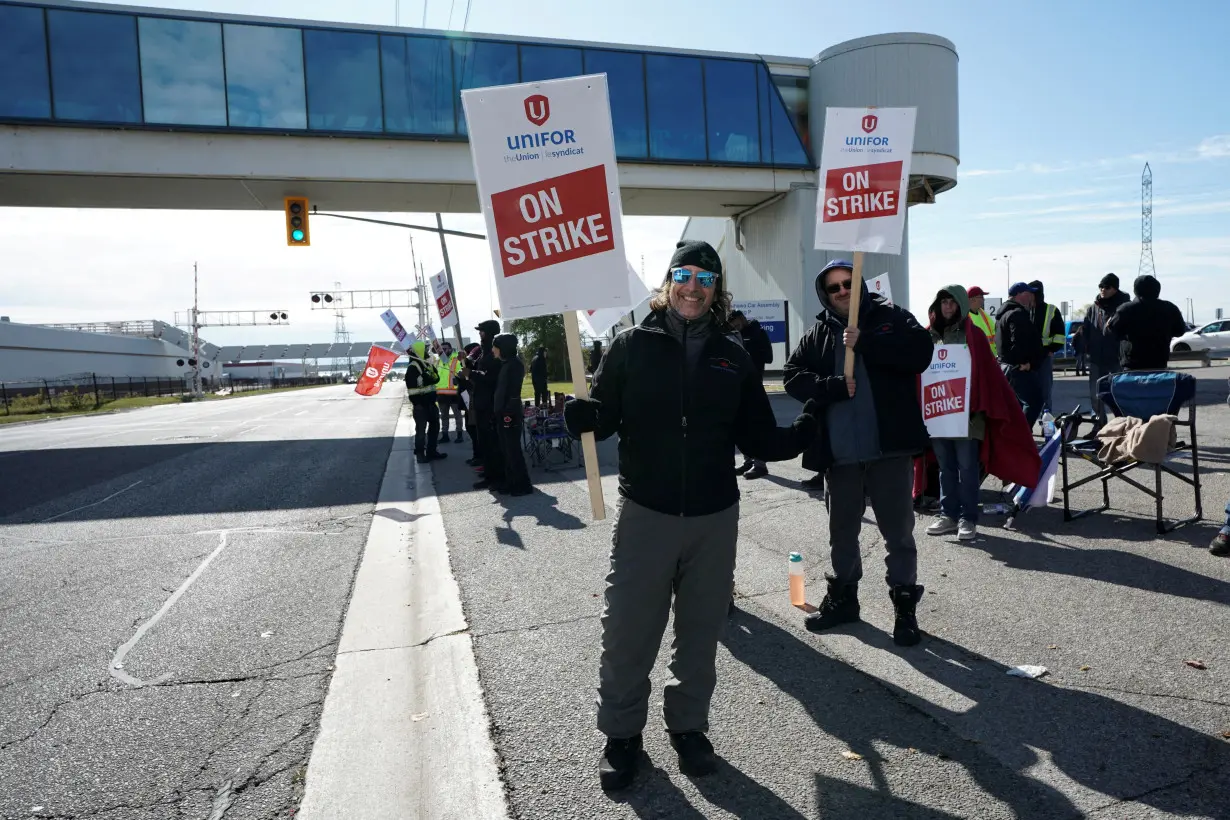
676, 527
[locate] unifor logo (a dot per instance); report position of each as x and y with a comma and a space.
537, 109
943, 354
869, 122
371, 372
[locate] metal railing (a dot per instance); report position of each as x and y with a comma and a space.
91, 391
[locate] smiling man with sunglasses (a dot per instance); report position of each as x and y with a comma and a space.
870, 430
682, 394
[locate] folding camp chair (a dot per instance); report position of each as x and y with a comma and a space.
550, 444
1138, 394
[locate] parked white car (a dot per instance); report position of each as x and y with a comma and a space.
1213, 336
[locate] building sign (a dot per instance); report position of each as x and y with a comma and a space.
864, 174
544, 162
945, 392
771, 314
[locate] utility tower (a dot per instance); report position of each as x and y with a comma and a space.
341, 336
1146, 223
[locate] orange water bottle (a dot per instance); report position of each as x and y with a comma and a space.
797, 597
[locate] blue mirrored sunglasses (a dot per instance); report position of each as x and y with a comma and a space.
706, 279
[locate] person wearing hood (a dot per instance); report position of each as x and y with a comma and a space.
756, 342
871, 429
998, 441
1101, 346
1020, 349
421, 380
465, 393
538, 377
483, 377
682, 395
1145, 326
509, 418
1053, 333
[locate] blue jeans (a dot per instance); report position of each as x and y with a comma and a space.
1028, 388
959, 477
1225, 528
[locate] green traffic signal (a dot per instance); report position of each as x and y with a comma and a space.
296, 235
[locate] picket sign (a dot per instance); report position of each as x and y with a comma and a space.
864, 176
944, 395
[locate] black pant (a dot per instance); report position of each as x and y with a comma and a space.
542, 396
516, 476
426, 426
489, 448
1028, 388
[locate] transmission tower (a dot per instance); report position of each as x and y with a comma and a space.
1146, 223
341, 336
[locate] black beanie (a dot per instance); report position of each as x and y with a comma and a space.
1109, 281
698, 253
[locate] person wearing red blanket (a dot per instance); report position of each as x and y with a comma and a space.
999, 436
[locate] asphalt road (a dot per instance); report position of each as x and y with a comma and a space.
1120, 727
172, 586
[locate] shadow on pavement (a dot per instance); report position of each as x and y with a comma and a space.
540, 505
655, 796
1110, 566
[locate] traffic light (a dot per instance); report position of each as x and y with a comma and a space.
278, 316
317, 298
297, 232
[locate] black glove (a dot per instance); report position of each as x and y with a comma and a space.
806, 425
581, 415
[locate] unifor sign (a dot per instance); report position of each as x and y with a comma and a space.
944, 389
544, 163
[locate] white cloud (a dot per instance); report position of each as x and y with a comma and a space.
1214, 147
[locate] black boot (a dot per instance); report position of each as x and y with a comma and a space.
696, 757
619, 761
905, 628
840, 606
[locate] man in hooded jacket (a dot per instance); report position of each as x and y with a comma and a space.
1101, 346
1145, 326
484, 375
870, 430
509, 418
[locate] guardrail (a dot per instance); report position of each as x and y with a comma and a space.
91, 391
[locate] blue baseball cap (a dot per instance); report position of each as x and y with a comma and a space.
1020, 287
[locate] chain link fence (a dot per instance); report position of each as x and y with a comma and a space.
90, 391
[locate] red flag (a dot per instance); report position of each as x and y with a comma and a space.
379, 363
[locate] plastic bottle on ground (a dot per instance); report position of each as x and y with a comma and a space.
797, 595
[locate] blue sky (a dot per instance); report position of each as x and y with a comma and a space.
1061, 104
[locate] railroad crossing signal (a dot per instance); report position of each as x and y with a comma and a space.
297, 232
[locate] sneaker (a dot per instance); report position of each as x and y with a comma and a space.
757, 471
618, 764
696, 757
1220, 544
743, 468
942, 525
967, 530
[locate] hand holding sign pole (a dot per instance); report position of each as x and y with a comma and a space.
864, 173
544, 163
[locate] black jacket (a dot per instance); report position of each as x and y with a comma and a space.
1145, 326
1016, 336
678, 431
1101, 346
538, 368
485, 374
895, 350
756, 343
507, 398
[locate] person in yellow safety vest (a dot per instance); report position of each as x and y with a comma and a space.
1053, 331
421, 379
447, 396
981, 319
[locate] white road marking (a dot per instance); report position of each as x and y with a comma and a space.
117, 662
87, 506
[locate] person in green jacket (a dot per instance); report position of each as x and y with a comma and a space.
960, 475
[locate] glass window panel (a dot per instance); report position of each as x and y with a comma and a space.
478, 65
24, 89
418, 85
94, 71
676, 107
182, 79
343, 81
731, 111
549, 63
781, 143
793, 91
264, 76
625, 80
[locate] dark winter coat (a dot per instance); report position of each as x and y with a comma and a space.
1016, 336
485, 374
538, 369
893, 350
756, 343
1145, 326
507, 398
1101, 346
679, 427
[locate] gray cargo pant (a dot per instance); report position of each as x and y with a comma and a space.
654, 555
889, 483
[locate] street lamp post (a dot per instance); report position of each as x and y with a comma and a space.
1007, 260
